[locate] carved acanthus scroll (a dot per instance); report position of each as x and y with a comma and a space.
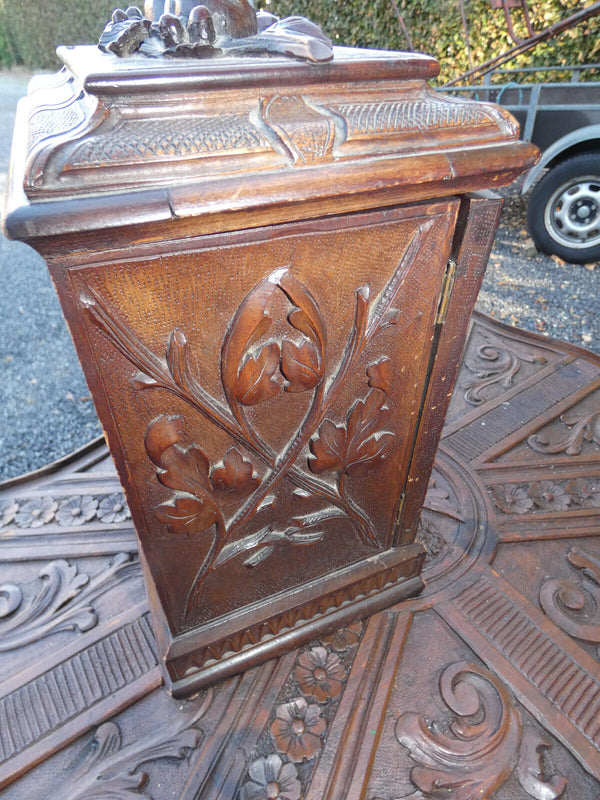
574, 605
62, 602
470, 757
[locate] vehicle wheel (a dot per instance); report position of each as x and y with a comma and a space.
563, 215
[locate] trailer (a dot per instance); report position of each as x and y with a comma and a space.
558, 109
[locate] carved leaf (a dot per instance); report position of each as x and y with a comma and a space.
239, 371
530, 770
363, 458
356, 448
379, 375
185, 470
366, 444
300, 366
305, 317
259, 377
162, 434
234, 479
328, 448
187, 514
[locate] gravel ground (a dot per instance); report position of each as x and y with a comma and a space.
45, 407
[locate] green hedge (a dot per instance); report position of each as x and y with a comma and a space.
30, 30
436, 27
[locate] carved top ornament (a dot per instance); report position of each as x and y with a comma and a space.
171, 117
185, 29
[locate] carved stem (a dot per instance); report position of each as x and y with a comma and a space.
196, 587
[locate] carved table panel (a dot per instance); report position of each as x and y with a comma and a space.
486, 686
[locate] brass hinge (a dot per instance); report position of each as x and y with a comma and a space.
447, 286
399, 510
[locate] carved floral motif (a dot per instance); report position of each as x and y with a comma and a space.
320, 674
297, 729
344, 638
271, 779
107, 769
68, 511
76, 510
256, 368
574, 605
471, 756
8, 510
547, 496
582, 428
494, 363
36, 512
63, 601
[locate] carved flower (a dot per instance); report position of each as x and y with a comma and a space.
297, 729
271, 779
549, 496
512, 499
8, 511
113, 508
76, 510
585, 493
344, 638
36, 512
320, 674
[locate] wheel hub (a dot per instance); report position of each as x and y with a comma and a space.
573, 213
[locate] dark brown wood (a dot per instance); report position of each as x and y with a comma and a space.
267, 268
487, 685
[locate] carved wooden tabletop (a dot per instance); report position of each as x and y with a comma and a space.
485, 686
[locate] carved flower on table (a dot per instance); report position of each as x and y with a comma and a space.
297, 729
36, 512
8, 511
113, 508
344, 638
512, 499
584, 493
76, 510
271, 779
549, 496
320, 674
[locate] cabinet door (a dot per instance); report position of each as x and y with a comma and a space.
261, 392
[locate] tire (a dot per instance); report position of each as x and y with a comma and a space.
563, 215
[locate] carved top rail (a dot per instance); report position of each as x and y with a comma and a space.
200, 137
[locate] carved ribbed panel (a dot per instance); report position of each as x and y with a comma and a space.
39, 707
530, 650
488, 430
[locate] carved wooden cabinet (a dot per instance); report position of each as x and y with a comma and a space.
267, 267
